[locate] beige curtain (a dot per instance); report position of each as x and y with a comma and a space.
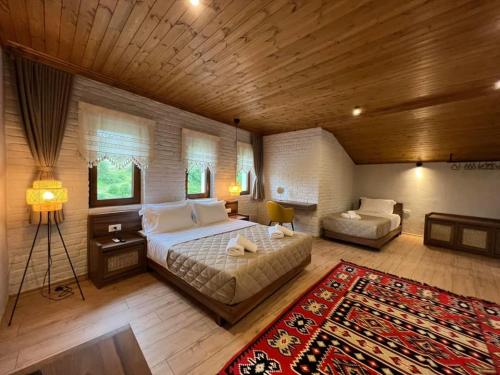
116, 136
245, 157
199, 150
43, 95
258, 162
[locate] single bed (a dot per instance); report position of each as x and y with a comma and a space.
195, 260
374, 228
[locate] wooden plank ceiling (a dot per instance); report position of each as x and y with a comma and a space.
422, 71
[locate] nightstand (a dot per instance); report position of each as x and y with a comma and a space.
233, 213
111, 261
239, 217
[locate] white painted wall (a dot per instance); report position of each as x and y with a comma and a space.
312, 167
163, 181
432, 187
4, 260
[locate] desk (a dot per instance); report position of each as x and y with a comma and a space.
303, 206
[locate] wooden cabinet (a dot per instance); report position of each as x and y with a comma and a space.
496, 248
233, 214
466, 233
232, 207
110, 261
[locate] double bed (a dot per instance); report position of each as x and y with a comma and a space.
195, 260
374, 227
191, 255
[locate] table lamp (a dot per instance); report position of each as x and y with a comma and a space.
234, 189
46, 196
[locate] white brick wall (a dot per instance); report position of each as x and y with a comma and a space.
312, 167
164, 180
336, 177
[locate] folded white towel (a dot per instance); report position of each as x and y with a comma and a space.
275, 233
233, 249
246, 243
352, 212
287, 232
353, 216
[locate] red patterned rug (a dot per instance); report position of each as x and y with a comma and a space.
361, 321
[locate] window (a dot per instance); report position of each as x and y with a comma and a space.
112, 186
117, 146
244, 167
199, 152
198, 183
243, 179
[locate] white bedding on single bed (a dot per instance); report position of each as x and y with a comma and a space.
160, 243
394, 218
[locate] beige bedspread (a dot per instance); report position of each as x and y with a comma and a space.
204, 264
371, 227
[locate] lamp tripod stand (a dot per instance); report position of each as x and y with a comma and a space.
49, 257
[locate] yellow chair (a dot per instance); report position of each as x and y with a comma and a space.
279, 214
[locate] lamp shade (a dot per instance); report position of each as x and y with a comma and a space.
234, 189
46, 195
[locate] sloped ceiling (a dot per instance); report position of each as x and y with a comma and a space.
422, 71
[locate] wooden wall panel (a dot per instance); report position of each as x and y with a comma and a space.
422, 70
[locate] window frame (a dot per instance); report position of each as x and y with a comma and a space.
94, 202
247, 192
206, 194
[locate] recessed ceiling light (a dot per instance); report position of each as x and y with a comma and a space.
497, 85
195, 2
356, 111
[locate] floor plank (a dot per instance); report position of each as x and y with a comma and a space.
178, 337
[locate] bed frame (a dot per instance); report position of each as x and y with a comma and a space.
222, 312
131, 223
372, 243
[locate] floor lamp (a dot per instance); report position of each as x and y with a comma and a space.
46, 196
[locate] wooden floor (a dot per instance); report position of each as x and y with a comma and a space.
177, 337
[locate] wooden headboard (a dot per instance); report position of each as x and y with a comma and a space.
398, 209
98, 223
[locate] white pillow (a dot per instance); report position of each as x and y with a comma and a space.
144, 207
202, 200
377, 205
168, 219
148, 221
210, 212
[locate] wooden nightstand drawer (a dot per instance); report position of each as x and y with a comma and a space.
110, 261
122, 261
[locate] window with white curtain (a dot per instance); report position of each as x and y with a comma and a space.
244, 167
117, 146
199, 153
